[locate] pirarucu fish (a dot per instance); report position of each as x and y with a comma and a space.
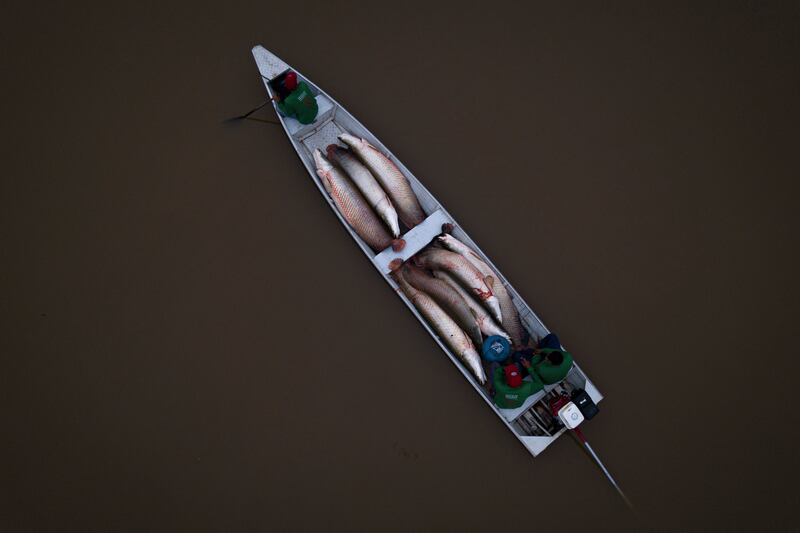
390, 177
352, 205
447, 297
464, 272
447, 329
367, 184
510, 315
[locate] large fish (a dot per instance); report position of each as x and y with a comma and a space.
353, 207
485, 321
390, 177
453, 336
367, 184
450, 300
465, 273
510, 315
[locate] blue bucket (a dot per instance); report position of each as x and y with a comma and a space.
496, 349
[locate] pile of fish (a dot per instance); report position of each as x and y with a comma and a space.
370, 192
461, 298
452, 287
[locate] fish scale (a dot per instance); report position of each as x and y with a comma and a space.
510, 315
445, 296
445, 326
484, 320
352, 205
390, 177
465, 272
366, 183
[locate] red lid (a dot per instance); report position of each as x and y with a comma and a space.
513, 377
290, 81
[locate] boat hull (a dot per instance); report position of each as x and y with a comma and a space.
333, 119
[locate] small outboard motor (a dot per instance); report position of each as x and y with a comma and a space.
585, 403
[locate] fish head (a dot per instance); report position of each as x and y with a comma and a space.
351, 140
399, 277
428, 254
414, 270
418, 277
407, 269
323, 165
333, 150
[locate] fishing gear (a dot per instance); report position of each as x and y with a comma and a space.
261, 106
247, 116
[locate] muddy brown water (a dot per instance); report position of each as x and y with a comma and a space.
191, 342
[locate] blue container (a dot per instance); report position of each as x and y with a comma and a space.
496, 349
